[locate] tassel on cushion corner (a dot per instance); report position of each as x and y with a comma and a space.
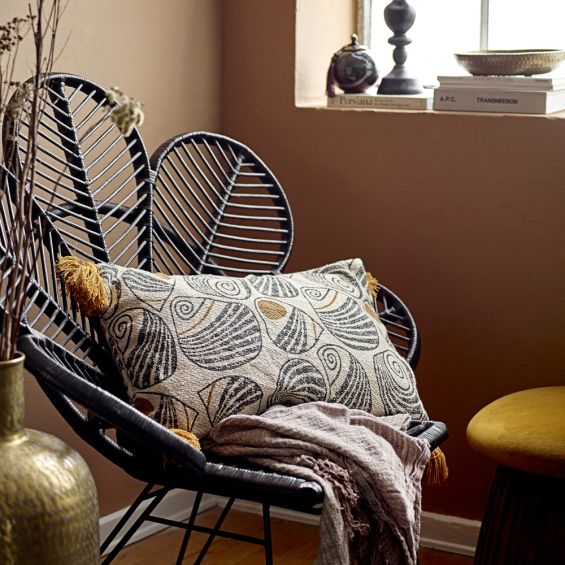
83, 281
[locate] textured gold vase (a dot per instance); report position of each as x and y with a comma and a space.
48, 503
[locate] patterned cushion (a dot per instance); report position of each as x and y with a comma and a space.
196, 349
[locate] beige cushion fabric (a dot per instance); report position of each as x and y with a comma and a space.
196, 349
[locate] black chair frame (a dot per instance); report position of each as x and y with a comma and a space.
204, 203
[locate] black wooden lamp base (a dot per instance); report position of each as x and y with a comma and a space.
397, 83
399, 17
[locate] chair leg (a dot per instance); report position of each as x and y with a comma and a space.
126, 537
134, 506
267, 534
186, 537
213, 534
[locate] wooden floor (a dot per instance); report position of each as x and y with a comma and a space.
293, 544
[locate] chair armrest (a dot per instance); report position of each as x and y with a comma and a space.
49, 371
435, 433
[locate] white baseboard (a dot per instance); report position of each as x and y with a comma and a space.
449, 533
176, 505
438, 531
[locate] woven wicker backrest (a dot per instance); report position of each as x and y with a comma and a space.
207, 205
229, 213
91, 198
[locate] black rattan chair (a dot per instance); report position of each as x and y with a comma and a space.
204, 203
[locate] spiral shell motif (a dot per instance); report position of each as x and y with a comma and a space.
272, 285
348, 277
216, 335
344, 317
299, 381
350, 384
231, 395
289, 328
135, 340
397, 386
222, 287
149, 289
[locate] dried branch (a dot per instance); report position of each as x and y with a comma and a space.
20, 247
20, 233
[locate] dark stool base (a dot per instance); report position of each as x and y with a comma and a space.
524, 521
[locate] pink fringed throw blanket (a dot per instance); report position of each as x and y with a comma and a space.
369, 468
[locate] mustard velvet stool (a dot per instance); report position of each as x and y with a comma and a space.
524, 433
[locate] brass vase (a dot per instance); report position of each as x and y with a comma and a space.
48, 502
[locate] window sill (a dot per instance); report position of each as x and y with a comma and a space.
321, 105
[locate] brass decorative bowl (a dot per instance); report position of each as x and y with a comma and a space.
516, 62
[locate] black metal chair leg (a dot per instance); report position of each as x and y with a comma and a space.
126, 537
267, 534
186, 537
213, 534
134, 506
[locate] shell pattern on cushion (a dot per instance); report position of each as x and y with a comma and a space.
194, 350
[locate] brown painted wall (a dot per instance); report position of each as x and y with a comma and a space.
462, 215
170, 60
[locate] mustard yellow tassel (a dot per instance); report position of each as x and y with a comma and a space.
85, 284
373, 284
187, 436
436, 470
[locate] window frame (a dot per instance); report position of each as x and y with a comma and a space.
365, 16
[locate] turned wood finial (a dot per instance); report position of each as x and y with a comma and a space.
399, 18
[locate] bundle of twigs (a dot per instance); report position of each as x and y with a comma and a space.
18, 243
24, 103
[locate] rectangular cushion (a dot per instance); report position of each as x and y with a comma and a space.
196, 349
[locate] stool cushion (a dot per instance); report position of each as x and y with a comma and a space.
524, 430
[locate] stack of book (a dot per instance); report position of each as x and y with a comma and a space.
506, 94
383, 101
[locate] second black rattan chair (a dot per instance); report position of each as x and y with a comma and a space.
204, 203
